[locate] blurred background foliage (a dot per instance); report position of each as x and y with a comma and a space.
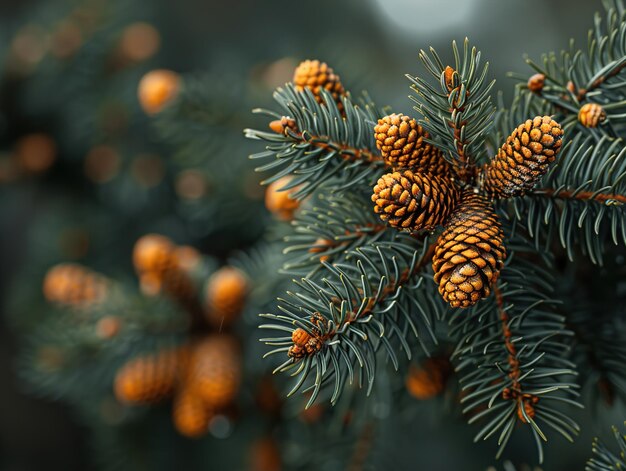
104, 173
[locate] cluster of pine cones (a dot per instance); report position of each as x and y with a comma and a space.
424, 191
203, 376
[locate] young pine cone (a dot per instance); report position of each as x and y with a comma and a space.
470, 252
74, 285
150, 378
523, 159
591, 115
190, 415
414, 201
315, 75
215, 370
226, 293
402, 145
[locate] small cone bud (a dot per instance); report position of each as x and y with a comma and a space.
591, 115
536, 83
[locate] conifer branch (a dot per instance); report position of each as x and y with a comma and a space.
581, 199
380, 296
458, 113
329, 231
511, 350
319, 142
606, 460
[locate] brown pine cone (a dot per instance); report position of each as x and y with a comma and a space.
226, 293
536, 83
190, 415
591, 115
215, 370
523, 159
153, 253
74, 285
315, 75
150, 378
157, 89
402, 144
414, 201
470, 252
163, 267
429, 379
279, 202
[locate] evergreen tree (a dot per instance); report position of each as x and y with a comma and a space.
464, 264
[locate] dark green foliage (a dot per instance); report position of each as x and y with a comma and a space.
518, 353
326, 149
458, 121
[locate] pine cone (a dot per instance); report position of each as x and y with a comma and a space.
215, 370
226, 293
163, 267
190, 415
402, 144
74, 285
429, 379
414, 201
278, 202
315, 75
470, 252
523, 159
536, 83
591, 115
157, 89
153, 253
150, 378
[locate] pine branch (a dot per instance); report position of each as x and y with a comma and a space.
457, 114
334, 227
322, 144
581, 198
604, 459
513, 357
380, 297
576, 77
67, 357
